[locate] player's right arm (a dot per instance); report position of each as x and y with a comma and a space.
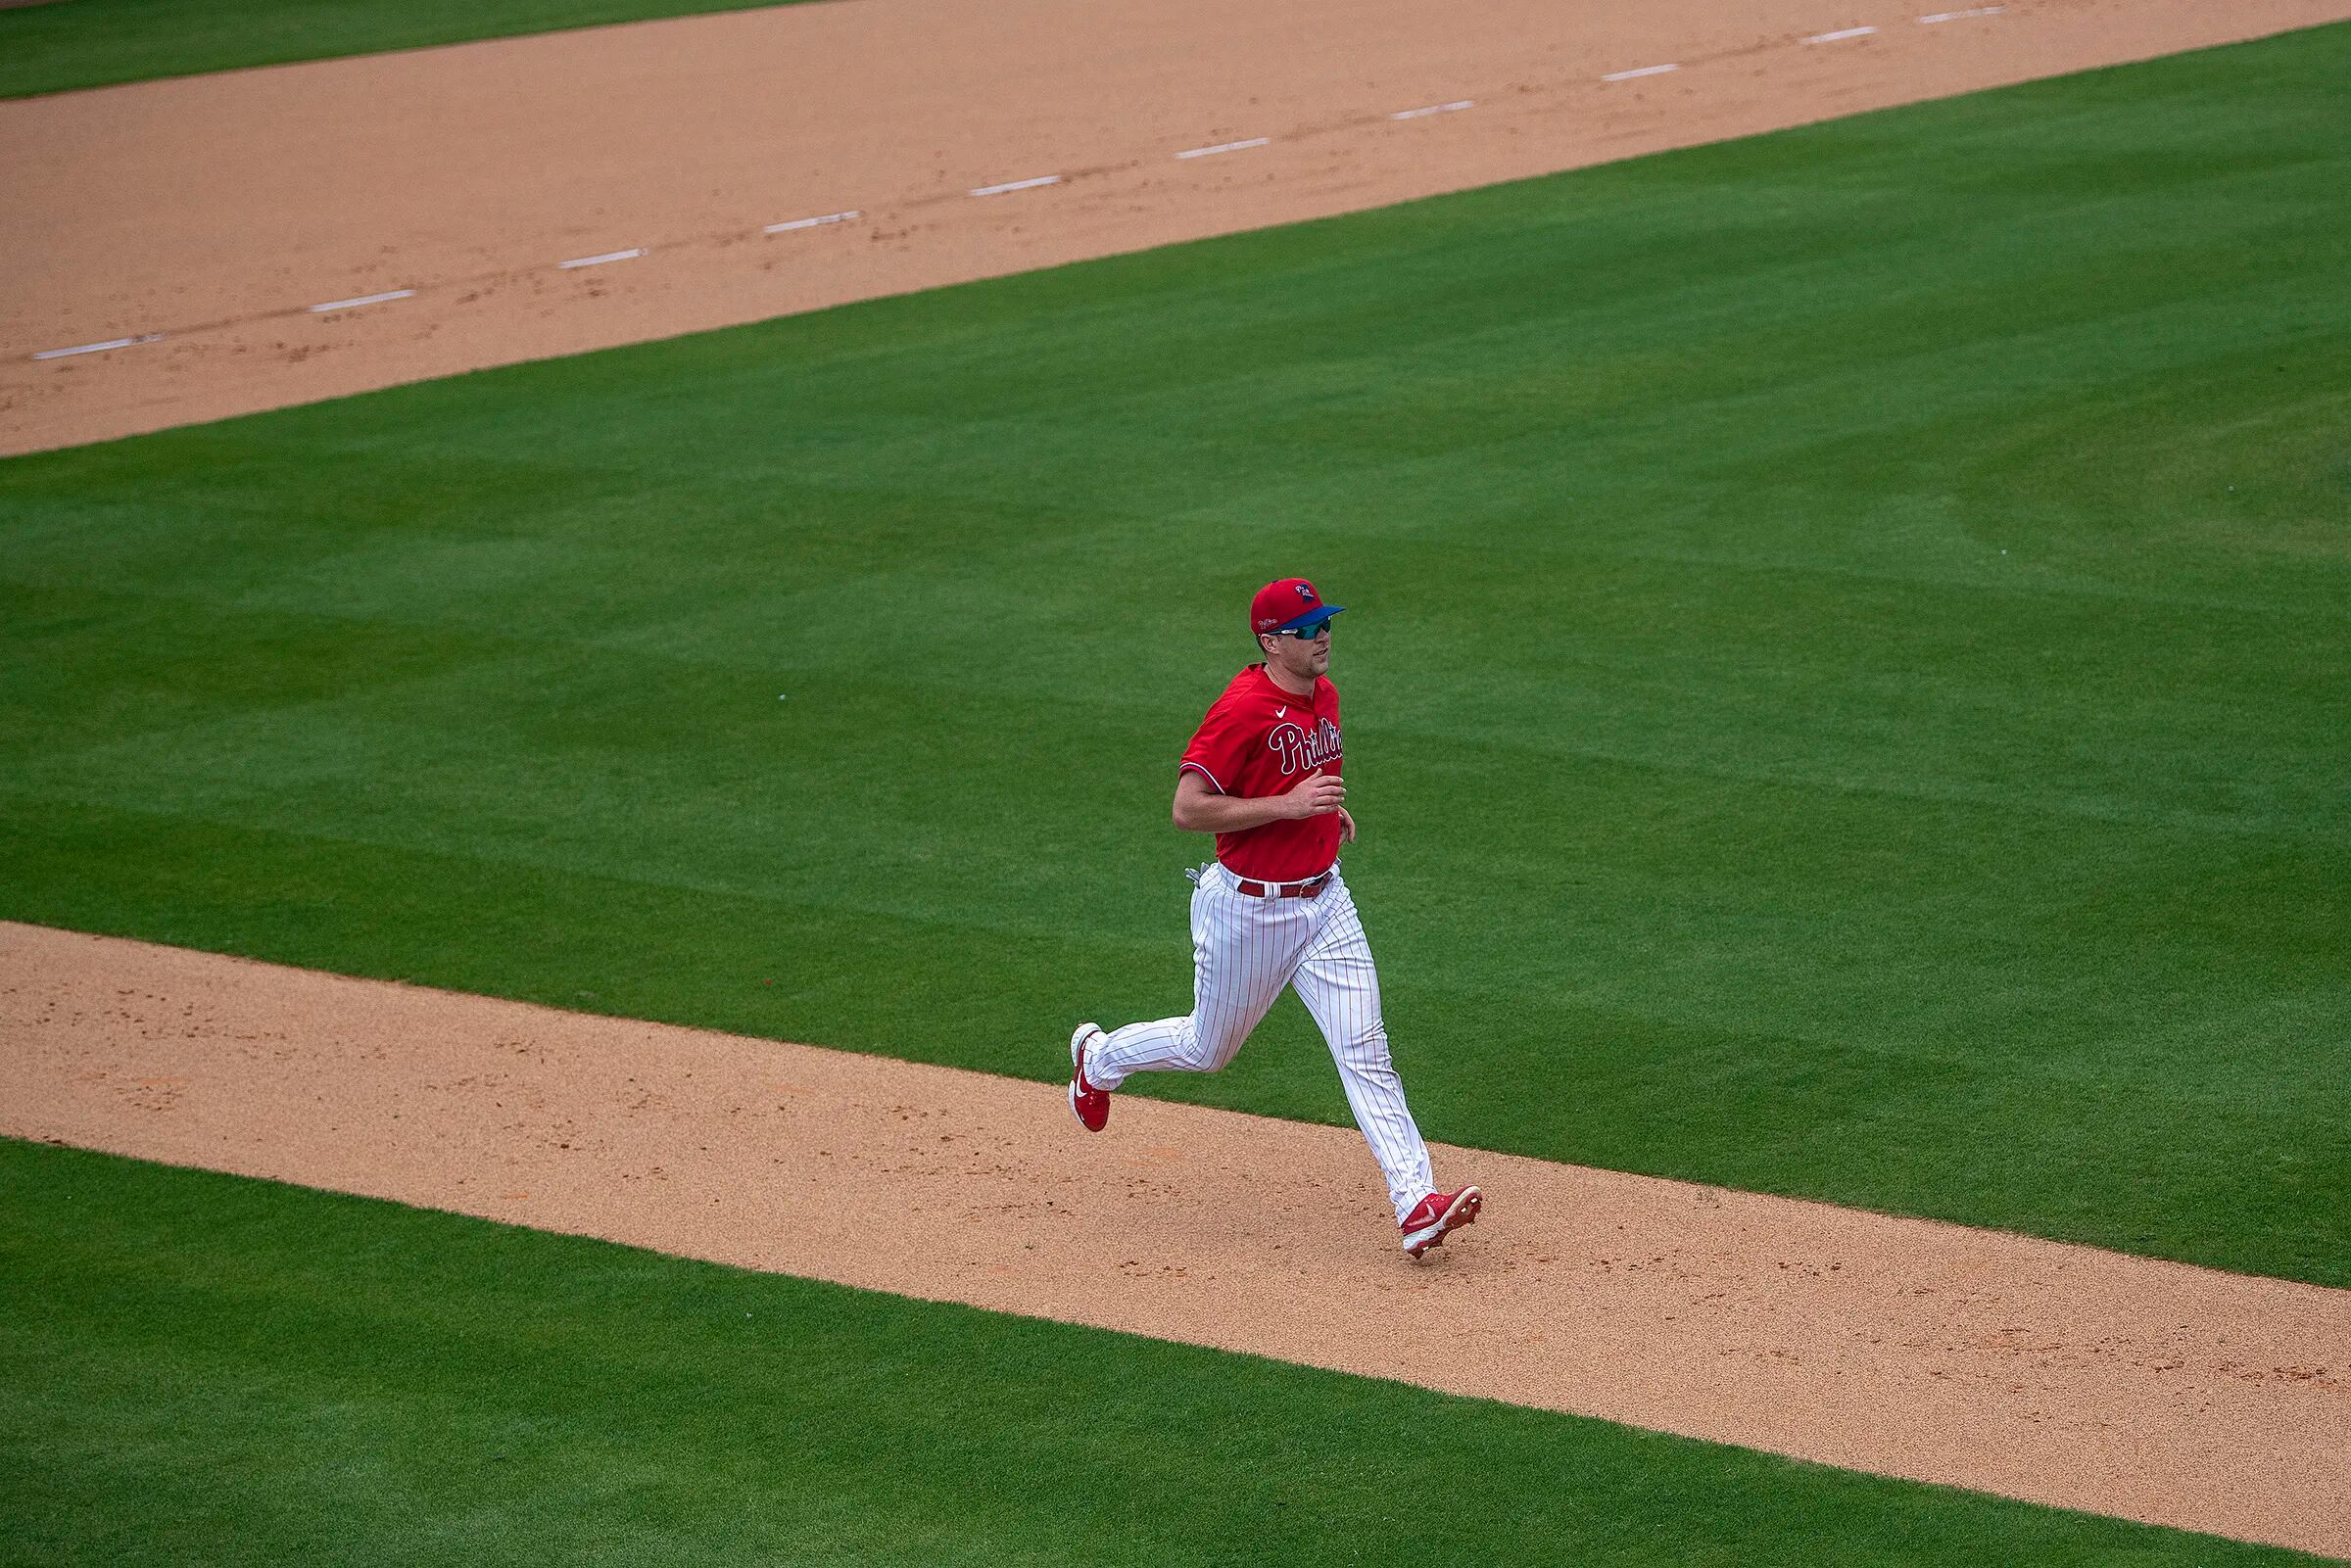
1201, 808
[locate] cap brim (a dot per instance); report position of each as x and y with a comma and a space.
1312, 618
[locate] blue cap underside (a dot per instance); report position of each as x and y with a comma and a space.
1313, 617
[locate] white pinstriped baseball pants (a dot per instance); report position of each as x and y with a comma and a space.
1244, 951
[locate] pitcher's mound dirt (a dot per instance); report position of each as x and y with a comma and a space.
2060, 1374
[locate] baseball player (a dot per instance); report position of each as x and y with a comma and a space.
1272, 910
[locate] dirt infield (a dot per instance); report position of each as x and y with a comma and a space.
2054, 1373
216, 210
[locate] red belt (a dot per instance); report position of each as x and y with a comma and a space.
1305, 890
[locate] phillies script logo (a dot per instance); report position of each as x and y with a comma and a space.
1298, 750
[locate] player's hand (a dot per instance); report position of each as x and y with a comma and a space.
1318, 794
1346, 826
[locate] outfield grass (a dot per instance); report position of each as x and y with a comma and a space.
97, 43
205, 1369
1844, 683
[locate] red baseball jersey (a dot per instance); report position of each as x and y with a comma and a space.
1257, 740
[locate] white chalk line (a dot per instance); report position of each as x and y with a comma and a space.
1225, 147
1016, 185
1010, 186
100, 347
811, 222
364, 299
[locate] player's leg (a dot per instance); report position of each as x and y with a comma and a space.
1340, 986
1243, 952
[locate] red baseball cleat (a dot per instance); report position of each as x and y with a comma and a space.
1436, 1215
1090, 1104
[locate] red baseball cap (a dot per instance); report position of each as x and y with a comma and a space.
1292, 604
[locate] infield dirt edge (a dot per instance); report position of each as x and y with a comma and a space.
2045, 1371
898, 109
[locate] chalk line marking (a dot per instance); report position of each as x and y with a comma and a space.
599, 261
810, 222
1840, 35
99, 348
1434, 109
364, 299
1960, 15
1645, 70
1225, 147
1016, 185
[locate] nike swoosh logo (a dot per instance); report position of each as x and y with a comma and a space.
1279, 712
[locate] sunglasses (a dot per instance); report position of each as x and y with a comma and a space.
1305, 634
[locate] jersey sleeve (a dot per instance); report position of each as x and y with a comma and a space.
1219, 745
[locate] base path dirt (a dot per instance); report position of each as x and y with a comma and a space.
195, 223
2055, 1373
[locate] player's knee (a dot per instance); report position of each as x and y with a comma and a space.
1213, 1050
1368, 1050
1191, 1052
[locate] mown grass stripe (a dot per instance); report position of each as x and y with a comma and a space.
99, 43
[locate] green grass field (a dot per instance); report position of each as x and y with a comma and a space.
97, 43
208, 1370
1843, 678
